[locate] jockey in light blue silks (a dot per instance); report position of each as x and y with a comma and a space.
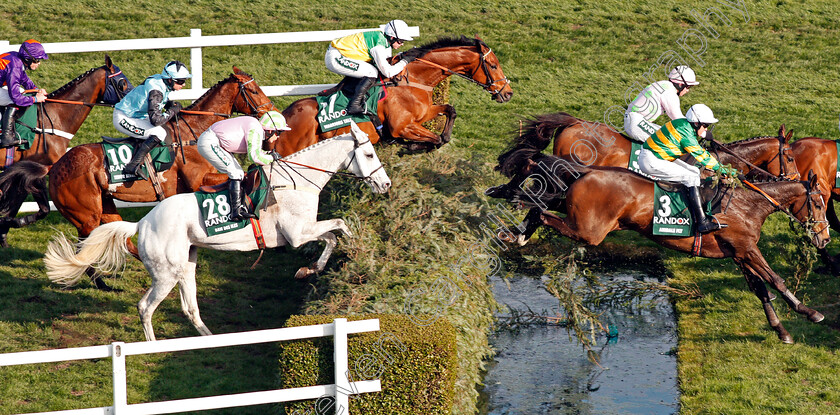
364, 55
143, 111
659, 97
240, 135
14, 81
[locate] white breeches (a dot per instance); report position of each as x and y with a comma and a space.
343, 65
221, 159
137, 127
674, 171
637, 127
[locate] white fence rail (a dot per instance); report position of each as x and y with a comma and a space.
340, 390
195, 42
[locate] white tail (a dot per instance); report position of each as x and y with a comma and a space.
104, 249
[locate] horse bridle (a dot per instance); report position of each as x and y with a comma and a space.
356, 144
249, 100
810, 206
471, 77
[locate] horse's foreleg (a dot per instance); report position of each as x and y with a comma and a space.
448, 111
189, 298
756, 262
757, 286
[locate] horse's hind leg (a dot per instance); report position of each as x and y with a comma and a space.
330, 243
189, 299
756, 262
757, 286
162, 284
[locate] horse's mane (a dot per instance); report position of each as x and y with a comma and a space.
73, 82
218, 85
760, 137
536, 133
313, 146
444, 42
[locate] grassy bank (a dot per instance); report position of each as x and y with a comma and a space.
771, 63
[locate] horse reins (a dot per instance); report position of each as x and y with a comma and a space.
780, 208
330, 172
719, 146
490, 81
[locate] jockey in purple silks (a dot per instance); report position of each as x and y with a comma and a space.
13, 81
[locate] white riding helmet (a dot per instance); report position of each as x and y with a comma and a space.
700, 113
273, 120
175, 70
683, 75
397, 29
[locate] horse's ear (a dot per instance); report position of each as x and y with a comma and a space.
812, 179
479, 39
782, 131
108, 62
788, 136
238, 71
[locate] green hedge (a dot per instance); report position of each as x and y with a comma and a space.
417, 365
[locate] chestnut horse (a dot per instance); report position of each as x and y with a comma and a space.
596, 144
599, 200
820, 155
78, 181
66, 108
409, 104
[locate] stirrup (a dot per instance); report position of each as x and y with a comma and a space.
710, 225
241, 214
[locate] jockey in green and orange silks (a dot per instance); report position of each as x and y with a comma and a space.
365, 55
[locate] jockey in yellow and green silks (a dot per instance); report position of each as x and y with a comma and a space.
365, 55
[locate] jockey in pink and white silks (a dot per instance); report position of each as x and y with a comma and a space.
144, 110
240, 135
660, 158
659, 97
364, 55
13, 81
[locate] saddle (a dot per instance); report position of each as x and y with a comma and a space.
710, 195
251, 182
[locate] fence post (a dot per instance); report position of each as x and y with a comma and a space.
342, 380
195, 63
118, 371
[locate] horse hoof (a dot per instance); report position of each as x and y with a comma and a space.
816, 317
303, 272
522, 240
100, 285
786, 338
507, 237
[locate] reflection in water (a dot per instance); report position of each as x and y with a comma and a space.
540, 370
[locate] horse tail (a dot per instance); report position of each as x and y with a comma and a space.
104, 249
18, 181
537, 133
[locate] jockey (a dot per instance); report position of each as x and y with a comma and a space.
14, 81
241, 135
364, 55
144, 110
660, 158
656, 98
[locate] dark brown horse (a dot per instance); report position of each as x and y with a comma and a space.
409, 104
78, 181
66, 109
599, 200
596, 144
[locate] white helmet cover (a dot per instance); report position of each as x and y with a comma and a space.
175, 70
700, 113
397, 29
683, 75
273, 120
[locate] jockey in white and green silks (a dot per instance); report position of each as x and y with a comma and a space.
661, 152
364, 55
658, 97
240, 135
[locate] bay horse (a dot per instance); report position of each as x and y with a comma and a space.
66, 108
599, 200
169, 236
409, 104
78, 181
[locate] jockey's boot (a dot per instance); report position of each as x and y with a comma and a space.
140, 152
238, 211
704, 223
357, 102
9, 138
